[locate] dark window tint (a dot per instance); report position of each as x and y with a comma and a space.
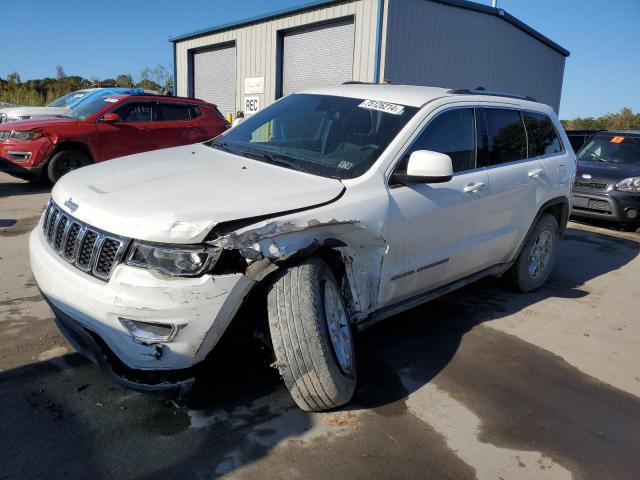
196, 111
504, 139
542, 135
135, 112
453, 133
167, 112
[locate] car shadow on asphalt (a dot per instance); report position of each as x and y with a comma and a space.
67, 420
436, 329
15, 188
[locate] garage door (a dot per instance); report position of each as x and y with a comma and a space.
214, 77
316, 57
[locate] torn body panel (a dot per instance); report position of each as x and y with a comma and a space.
277, 243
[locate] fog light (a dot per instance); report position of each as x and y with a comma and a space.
631, 213
20, 156
149, 332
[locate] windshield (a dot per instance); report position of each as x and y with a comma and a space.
68, 99
323, 135
86, 109
611, 148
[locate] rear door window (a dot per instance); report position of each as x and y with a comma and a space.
542, 136
168, 112
504, 137
453, 133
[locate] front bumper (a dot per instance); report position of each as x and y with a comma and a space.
19, 171
88, 312
619, 207
24, 159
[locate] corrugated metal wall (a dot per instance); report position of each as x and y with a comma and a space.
214, 77
257, 46
429, 43
317, 57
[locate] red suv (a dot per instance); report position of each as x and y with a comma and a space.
108, 127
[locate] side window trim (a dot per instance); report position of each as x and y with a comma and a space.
404, 151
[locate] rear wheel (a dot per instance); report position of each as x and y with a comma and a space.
64, 162
537, 258
311, 336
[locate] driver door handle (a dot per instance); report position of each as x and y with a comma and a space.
535, 173
473, 187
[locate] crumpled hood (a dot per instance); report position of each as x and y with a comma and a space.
39, 112
177, 195
38, 123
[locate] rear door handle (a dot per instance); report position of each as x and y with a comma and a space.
536, 172
473, 188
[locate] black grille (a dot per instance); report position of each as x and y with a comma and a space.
51, 225
86, 249
107, 256
72, 240
89, 249
57, 242
589, 184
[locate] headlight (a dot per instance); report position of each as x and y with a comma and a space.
176, 260
17, 118
629, 185
25, 135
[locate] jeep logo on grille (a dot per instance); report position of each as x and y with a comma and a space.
71, 205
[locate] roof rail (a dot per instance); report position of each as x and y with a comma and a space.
357, 82
482, 91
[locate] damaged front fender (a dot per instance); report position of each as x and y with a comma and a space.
278, 244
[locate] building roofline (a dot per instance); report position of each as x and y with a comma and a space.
465, 4
258, 18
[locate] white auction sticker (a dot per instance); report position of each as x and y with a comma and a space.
111, 100
382, 107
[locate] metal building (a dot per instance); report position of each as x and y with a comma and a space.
248, 64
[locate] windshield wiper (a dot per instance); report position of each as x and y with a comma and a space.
223, 146
276, 160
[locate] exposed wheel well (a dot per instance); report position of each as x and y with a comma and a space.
560, 210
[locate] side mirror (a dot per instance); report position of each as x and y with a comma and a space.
110, 117
425, 166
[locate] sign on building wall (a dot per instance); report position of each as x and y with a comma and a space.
253, 85
251, 105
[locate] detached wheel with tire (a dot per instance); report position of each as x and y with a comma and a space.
311, 336
537, 258
64, 162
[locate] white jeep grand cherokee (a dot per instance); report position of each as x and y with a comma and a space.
349, 204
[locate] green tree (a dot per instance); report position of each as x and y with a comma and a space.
125, 81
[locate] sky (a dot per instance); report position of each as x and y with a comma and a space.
104, 39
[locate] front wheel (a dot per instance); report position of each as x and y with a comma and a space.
311, 336
537, 258
64, 162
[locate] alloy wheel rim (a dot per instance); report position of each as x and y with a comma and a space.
540, 254
338, 326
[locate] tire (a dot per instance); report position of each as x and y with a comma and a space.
527, 275
64, 162
305, 353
